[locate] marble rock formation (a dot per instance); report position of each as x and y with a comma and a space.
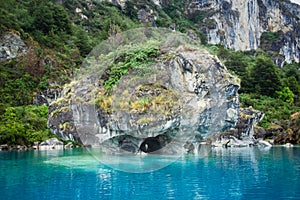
183, 93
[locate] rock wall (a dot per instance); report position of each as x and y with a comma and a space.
240, 24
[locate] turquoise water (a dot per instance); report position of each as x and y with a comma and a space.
241, 173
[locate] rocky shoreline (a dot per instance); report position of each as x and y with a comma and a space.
50, 144
189, 147
245, 134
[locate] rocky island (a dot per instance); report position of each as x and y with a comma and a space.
147, 90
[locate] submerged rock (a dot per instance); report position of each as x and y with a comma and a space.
154, 103
288, 145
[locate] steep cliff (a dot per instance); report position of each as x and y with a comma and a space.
241, 24
147, 90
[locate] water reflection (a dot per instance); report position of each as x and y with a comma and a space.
137, 163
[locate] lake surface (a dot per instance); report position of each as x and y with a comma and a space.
233, 173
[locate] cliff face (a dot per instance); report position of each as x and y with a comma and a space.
240, 24
234, 23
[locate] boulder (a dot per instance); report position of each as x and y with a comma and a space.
4, 147
189, 147
288, 132
52, 143
288, 145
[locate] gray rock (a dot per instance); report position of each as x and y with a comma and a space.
242, 134
4, 147
69, 145
52, 143
11, 46
239, 24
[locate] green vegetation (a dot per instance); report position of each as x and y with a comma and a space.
173, 15
275, 109
270, 36
272, 41
128, 61
160, 101
58, 38
286, 95
150, 99
265, 86
265, 77
24, 125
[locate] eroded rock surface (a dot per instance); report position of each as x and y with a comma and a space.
243, 134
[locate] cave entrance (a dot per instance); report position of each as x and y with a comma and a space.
155, 144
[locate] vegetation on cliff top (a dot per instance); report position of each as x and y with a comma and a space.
58, 39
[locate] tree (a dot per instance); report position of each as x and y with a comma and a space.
266, 79
52, 17
24, 125
286, 95
52, 26
292, 70
130, 11
82, 41
293, 85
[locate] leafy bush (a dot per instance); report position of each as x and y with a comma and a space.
24, 125
275, 109
129, 60
270, 36
286, 95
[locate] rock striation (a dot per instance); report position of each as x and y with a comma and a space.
240, 24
